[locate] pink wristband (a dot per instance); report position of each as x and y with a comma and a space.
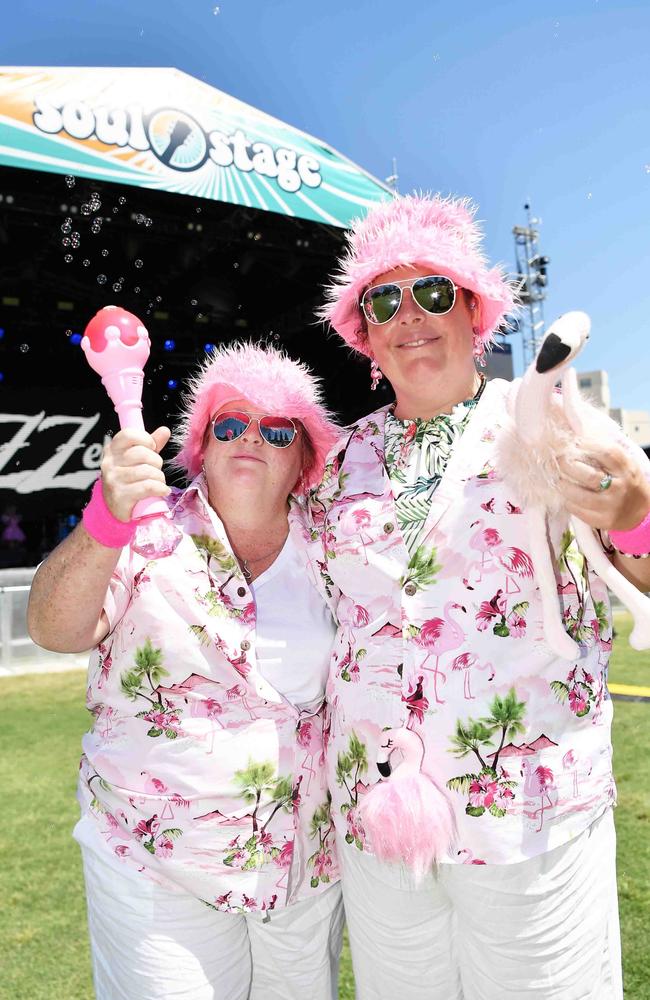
636, 541
102, 525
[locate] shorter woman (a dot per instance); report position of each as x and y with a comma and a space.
205, 827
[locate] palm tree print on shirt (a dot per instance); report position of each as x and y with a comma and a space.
321, 827
350, 765
423, 568
571, 562
488, 789
148, 669
256, 779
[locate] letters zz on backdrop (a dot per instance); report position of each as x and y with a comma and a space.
49, 453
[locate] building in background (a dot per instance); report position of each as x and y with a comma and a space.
595, 386
634, 423
499, 361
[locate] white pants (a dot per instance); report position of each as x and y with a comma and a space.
546, 928
148, 943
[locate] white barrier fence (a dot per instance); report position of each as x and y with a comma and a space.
18, 654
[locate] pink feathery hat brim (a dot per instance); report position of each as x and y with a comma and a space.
274, 384
423, 230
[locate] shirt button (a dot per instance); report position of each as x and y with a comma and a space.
388, 527
410, 589
241, 591
244, 645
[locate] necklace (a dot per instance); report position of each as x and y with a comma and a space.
245, 564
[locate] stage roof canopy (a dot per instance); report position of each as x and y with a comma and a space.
165, 130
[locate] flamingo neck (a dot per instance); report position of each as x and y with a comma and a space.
533, 402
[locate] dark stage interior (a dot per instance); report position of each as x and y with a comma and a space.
197, 272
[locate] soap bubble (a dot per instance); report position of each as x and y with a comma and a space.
68, 258
138, 262
70, 181
66, 241
104, 253
96, 225
67, 225
24, 348
86, 209
86, 262
101, 279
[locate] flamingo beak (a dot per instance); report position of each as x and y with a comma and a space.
384, 768
552, 353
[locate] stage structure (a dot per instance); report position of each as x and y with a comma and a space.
148, 189
531, 267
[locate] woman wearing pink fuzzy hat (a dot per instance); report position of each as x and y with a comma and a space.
205, 830
474, 866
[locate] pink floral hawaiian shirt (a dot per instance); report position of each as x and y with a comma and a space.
448, 641
196, 770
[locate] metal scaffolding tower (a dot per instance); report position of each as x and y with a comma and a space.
531, 270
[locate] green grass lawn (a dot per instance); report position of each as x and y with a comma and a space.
43, 945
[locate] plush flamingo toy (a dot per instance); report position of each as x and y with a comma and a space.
116, 345
407, 817
542, 426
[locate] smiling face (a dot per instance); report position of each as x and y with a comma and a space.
427, 359
249, 466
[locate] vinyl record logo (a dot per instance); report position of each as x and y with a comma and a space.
177, 140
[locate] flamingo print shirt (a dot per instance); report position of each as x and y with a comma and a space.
446, 639
196, 770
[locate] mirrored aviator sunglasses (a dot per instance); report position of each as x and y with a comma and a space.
434, 293
228, 426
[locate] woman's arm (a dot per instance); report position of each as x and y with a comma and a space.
65, 611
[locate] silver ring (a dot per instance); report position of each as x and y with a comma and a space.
605, 482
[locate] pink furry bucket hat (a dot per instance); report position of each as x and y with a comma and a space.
425, 230
274, 384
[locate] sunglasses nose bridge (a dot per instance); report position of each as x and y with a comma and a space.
409, 310
253, 433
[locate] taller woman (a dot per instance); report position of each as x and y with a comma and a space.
440, 633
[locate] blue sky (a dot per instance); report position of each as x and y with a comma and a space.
504, 101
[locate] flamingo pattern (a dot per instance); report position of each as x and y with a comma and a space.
223, 776
460, 598
438, 636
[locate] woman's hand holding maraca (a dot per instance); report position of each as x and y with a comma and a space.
132, 470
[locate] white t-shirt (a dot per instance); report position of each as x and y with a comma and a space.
295, 631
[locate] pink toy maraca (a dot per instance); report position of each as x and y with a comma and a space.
116, 345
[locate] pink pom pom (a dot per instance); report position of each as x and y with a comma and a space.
408, 818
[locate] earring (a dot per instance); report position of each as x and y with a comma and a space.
375, 375
478, 348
